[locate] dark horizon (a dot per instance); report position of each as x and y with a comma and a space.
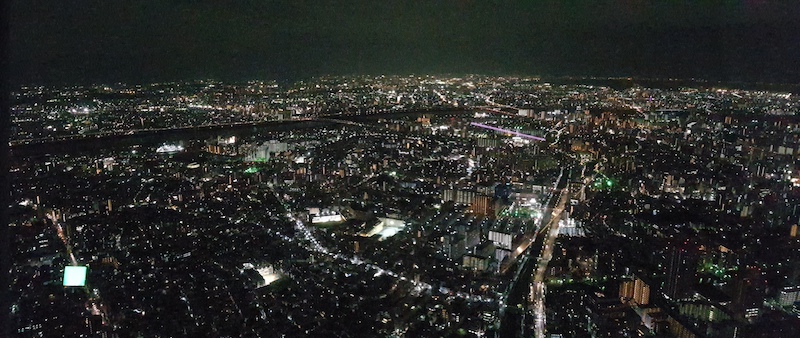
54, 43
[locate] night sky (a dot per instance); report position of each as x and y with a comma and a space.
79, 42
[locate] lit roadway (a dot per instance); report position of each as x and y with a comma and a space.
538, 291
97, 306
516, 292
515, 133
528, 239
496, 111
63, 236
489, 101
444, 98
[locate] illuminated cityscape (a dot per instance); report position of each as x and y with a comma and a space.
299, 170
405, 206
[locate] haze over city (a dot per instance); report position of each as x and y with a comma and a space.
140, 42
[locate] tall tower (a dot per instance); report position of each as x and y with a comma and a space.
681, 271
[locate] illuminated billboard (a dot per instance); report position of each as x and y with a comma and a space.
75, 275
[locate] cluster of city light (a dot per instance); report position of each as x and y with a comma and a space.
317, 247
269, 274
515, 133
603, 183
170, 148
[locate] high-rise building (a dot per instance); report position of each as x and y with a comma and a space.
635, 291
747, 289
789, 295
482, 205
458, 196
681, 274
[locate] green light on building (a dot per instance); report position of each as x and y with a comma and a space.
75, 275
251, 170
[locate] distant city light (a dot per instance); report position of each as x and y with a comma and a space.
410, 203
327, 219
515, 133
229, 140
269, 274
387, 227
170, 148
